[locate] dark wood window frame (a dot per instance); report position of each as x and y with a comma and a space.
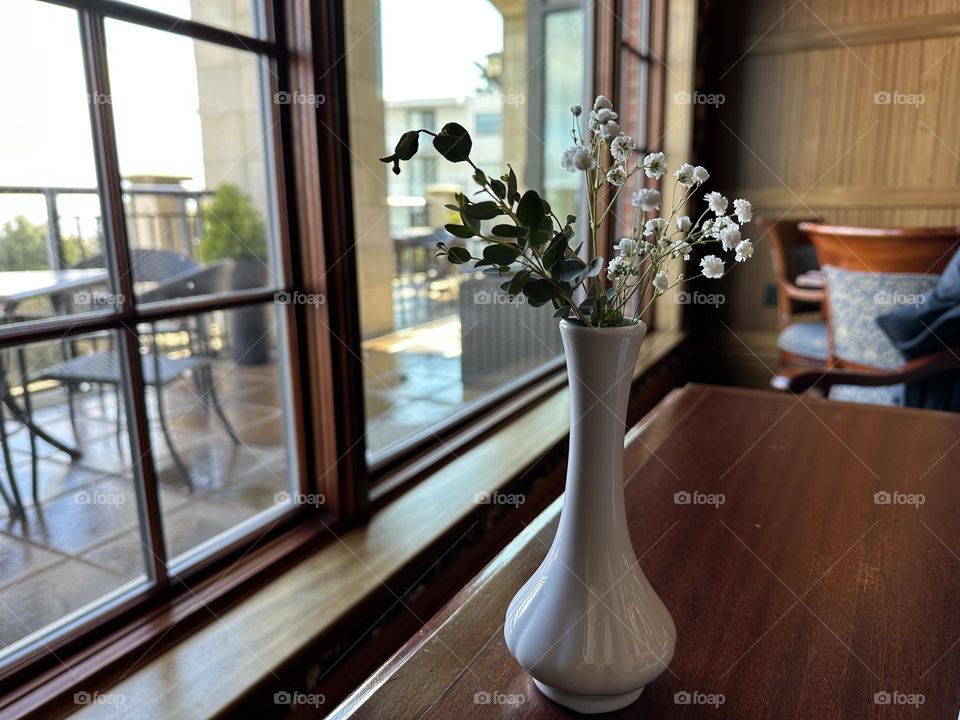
305, 43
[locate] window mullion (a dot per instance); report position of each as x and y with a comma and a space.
116, 243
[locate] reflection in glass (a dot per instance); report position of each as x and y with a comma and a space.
437, 337
49, 207
70, 533
193, 146
240, 16
218, 422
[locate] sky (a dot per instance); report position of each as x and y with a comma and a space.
45, 136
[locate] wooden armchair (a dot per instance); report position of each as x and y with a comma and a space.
802, 341
915, 256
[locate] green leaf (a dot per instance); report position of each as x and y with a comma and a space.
480, 177
554, 252
499, 189
460, 231
539, 292
483, 210
501, 254
518, 281
530, 210
596, 265
573, 271
509, 231
406, 148
571, 219
453, 142
539, 237
512, 194
563, 312
459, 255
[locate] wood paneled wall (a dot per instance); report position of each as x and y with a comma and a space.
844, 109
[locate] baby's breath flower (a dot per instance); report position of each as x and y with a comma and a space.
717, 202
683, 223
681, 248
583, 159
655, 165
744, 251
743, 210
647, 199
627, 246
576, 110
700, 175
661, 282
654, 227
621, 148
684, 175
729, 237
712, 267
609, 130
617, 175
602, 103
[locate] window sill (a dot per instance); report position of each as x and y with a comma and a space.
211, 671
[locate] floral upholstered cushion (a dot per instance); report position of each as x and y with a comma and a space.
857, 299
808, 339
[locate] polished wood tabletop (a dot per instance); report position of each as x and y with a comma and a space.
808, 550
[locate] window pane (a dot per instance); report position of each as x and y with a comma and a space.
563, 29
241, 16
437, 337
219, 420
193, 149
79, 538
51, 242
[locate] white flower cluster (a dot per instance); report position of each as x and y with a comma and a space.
645, 257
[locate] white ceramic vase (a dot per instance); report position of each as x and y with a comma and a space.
587, 626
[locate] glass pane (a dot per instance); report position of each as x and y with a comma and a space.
219, 420
194, 152
240, 16
437, 337
636, 24
78, 539
51, 242
563, 88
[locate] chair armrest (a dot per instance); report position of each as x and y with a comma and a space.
800, 380
813, 295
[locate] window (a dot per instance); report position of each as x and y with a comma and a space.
488, 123
440, 341
147, 419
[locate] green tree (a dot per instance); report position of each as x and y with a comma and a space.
232, 227
23, 245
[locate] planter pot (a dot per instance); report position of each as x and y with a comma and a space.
250, 341
587, 626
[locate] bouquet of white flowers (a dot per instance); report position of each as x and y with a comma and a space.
533, 248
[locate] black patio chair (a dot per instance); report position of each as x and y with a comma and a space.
159, 370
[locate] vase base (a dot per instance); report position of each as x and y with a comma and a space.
589, 704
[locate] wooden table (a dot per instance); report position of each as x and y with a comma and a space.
802, 595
